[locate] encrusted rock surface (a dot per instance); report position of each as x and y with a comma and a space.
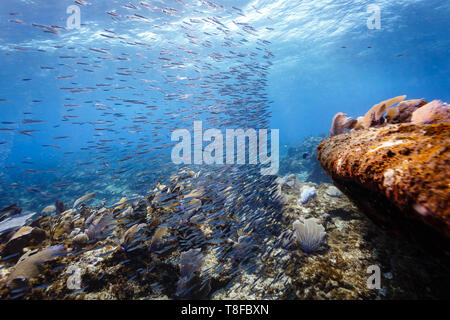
399, 176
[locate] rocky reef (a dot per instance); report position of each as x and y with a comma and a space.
181, 241
338, 269
396, 170
211, 234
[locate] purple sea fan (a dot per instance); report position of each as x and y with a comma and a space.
191, 261
99, 225
130, 236
309, 235
191, 285
243, 248
28, 266
341, 123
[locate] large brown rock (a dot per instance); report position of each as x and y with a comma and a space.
399, 176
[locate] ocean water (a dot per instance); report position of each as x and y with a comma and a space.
91, 108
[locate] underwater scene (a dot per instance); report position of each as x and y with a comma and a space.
224, 150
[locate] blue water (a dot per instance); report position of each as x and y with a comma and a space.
302, 62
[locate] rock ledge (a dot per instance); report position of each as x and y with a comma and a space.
399, 176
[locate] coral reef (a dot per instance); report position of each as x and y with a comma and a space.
338, 269
159, 246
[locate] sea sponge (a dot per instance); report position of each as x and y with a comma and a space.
434, 112
406, 109
307, 194
341, 123
309, 235
374, 116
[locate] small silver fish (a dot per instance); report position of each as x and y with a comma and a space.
49, 209
83, 198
